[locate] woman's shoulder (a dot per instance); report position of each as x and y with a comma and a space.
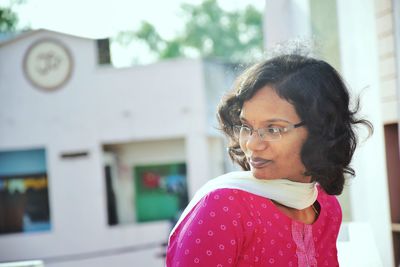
235, 203
218, 206
223, 203
231, 196
226, 197
330, 203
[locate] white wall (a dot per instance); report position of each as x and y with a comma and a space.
359, 57
101, 102
99, 105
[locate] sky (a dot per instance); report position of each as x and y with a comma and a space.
101, 18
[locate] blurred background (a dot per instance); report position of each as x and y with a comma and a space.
108, 127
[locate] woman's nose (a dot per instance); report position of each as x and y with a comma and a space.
254, 142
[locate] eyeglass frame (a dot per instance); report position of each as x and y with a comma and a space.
286, 129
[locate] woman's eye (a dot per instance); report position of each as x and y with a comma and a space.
274, 130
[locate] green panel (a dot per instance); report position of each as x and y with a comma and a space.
152, 207
160, 191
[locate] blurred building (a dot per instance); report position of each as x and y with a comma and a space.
96, 162
362, 40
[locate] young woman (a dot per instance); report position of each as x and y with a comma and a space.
291, 130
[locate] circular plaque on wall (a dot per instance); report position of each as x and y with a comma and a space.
48, 64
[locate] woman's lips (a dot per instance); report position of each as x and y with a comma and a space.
258, 162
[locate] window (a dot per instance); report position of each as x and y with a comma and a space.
24, 198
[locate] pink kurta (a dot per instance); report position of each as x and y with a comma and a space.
230, 227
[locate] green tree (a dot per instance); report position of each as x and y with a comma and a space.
8, 18
209, 31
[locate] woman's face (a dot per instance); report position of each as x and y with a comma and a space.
273, 159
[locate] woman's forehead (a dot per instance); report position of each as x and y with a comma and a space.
267, 105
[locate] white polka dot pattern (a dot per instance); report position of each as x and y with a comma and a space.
234, 228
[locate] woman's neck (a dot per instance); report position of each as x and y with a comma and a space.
307, 216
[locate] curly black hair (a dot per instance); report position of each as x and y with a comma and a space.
320, 98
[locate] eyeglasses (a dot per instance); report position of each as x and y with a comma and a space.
273, 133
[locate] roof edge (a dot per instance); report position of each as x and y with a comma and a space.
22, 35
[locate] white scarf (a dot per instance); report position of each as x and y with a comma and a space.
288, 193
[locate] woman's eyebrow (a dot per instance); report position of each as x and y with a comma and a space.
269, 120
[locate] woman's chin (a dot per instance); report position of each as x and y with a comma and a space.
260, 174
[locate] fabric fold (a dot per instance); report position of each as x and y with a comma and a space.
288, 193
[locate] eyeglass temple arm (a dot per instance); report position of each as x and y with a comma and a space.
299, 124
